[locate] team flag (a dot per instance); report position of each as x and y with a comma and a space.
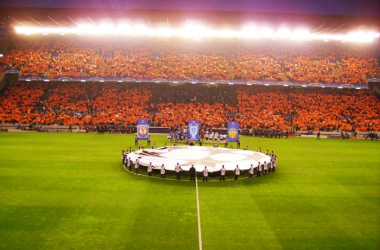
142, 129
232, 131
193, 130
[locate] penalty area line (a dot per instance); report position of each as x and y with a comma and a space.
199, 216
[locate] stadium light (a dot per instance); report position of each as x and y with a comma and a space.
197, 31
165, 32
283, 33
124, 29
142, 30
106, 29
225, 33
249, 31
266, 32
300, 34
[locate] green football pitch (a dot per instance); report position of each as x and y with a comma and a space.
70, 191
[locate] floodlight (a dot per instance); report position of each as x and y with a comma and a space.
124, 29
300, 34
283, 33
193, 30
141, 29
166, 32
266, 32
85, 29
249, 31
106, 29
197, 31
225, 33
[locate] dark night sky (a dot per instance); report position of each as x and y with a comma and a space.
327, 7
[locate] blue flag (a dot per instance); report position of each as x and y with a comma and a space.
193, 130
142, 129
233, 131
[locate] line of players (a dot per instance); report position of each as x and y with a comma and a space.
260, 168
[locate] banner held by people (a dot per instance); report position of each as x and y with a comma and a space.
193, 130
233, 131
142, 129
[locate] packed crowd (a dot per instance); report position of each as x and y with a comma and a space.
308, 109
74, 104
256, 107
309, 63
306, 63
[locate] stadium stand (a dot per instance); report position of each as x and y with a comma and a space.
255, 107
318, 62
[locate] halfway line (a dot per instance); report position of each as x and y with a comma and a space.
199, 215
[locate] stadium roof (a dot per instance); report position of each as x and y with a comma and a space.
324, 7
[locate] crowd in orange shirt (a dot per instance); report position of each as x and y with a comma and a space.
327, 63
74, 104
308, 109
273, 107
269, 61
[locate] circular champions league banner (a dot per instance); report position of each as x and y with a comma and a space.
200, 157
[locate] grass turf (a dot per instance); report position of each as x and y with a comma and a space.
70, 191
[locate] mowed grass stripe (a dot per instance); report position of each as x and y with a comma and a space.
80, 203
310, 202
70, 191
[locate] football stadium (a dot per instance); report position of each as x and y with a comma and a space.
190, 125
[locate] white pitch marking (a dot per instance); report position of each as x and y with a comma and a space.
199, 215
